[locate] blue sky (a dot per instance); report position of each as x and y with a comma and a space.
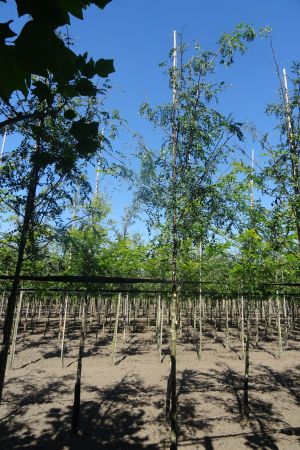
138, 36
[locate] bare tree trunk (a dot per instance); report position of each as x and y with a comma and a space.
194, 316
114, 343
279, 325
148, 314
171, 389
125, 318
247, 364
161, 329
63, 331
286, 326
47, 322
15, 330
77, 390
25, 320
60, 319
200, 343
256, 325
158, 319
242, 328
2, 304
226, 324
180, 319
215, 322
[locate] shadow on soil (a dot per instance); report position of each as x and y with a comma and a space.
116, 416
224, 389
114, 420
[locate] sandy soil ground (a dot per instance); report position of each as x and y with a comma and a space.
123, 406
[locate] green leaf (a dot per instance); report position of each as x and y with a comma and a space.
235, 129
40, 50
70, 114
67, 161
101, 3
265, 32
87, 146
44, 159
86, 134
16, 81
87, 68
75, 8
38, 131
52, 13
86, 87
81, 128
55, 13
43, 92
104, 67
5, 32
67, 90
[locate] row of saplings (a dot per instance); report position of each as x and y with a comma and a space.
254, 319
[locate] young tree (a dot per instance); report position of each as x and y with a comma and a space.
53, 149
282, 172
84, 241
178, 184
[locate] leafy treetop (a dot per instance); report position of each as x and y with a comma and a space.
38, 49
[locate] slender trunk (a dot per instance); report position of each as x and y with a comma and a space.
148, 313
220, 315
269, 314
226, 324
194, 316
76, 403
98, 314
199, 352
180, 320
215, 322
204, 310
2, 305
293, 154
60, 319
158, 319
63, 331
286, 327
129, 315
242, 328
231, 313
173, 306
161, 329
125, 318
257, 325
200, 343
266, 312
247, 364
25, 320
15, 331
134, 315
33, 315
114, 343
12, 300
110, 314
47, 323
279, 325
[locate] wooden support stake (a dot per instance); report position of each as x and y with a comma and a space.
114, 342
63, 331
15, 331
